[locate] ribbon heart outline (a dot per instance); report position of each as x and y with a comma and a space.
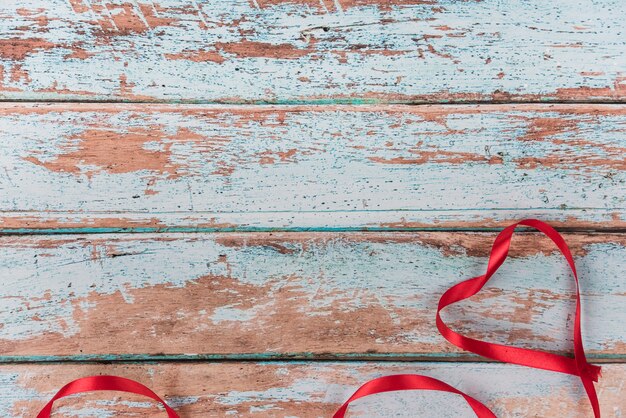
577, 366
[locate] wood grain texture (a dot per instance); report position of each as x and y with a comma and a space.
308, 390
308, 295
217, 171
313, 51
154, 167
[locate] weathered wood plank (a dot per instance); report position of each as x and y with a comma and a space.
308, 390
302, 294
320, 51
298, 167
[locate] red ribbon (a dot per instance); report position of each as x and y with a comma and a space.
94, 383
577, 366
411, 382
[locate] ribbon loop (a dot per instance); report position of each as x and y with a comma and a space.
411, 382
577, 366
95, 383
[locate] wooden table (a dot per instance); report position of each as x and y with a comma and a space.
252, 206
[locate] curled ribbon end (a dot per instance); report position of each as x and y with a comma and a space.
592, 372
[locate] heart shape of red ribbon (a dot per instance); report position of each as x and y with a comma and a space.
577, 366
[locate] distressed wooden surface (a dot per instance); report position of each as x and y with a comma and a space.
203, 186
153, 167
314, 51
309, 390
264, 295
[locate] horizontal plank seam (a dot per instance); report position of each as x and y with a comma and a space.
263, 357
192, 230
352, 102
267, 212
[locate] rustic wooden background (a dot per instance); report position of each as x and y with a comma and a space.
252, 206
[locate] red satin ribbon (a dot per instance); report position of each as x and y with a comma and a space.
577, 366
411, 382
94, 383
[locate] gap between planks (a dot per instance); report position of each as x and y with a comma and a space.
200, 230
279, 357
324, 102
